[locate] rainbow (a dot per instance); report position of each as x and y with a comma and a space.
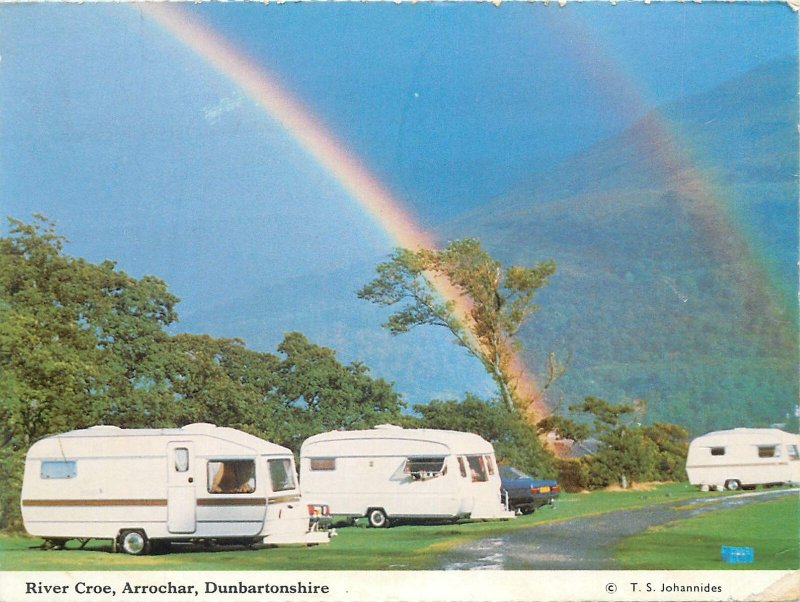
309, 133
375, 199
702, 198
705, 200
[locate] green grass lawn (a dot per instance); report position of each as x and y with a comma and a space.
402, 548
771, 528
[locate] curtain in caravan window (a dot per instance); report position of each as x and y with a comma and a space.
181, 459
281, 474
477, 469
231, 476
322, 464
425, 468
768, 451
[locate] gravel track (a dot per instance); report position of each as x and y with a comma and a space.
585, 543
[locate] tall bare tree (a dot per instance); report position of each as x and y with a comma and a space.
462, 288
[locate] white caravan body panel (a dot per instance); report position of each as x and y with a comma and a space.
408, 473
744, 457
196, 482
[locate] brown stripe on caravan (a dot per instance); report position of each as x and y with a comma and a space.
200, 502
255, 501
285, 498
94, 502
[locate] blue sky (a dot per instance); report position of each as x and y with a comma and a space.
144, 154
452, 104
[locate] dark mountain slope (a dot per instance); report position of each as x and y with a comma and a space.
648, 297
676, 244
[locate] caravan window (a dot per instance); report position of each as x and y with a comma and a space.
322, 464
477, 469
231, 476
489, 464
462, 467
768, 451
59, 469
425, 468
793, 453
281, 474
717, 451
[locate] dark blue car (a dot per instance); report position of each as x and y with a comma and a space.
525, 493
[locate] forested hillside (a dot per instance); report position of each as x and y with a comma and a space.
676, 245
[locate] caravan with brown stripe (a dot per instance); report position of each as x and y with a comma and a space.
143, 488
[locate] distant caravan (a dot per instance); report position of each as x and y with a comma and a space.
743, 458
389, 473
146, 488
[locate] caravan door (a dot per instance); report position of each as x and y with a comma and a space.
181, 496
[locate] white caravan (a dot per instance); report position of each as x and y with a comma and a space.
743, 458
390, 473
139, 487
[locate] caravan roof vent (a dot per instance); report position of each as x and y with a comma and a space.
199, 427
389, 427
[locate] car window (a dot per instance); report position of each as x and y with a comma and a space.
509, 472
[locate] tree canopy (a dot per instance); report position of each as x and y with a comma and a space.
317, 393
514, 439
75, 337
490, 305
626, 450
84, 344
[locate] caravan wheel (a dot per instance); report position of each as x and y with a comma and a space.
732, 484
134, 543
377, 518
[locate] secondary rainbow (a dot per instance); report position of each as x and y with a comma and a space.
255, 81
707, 202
